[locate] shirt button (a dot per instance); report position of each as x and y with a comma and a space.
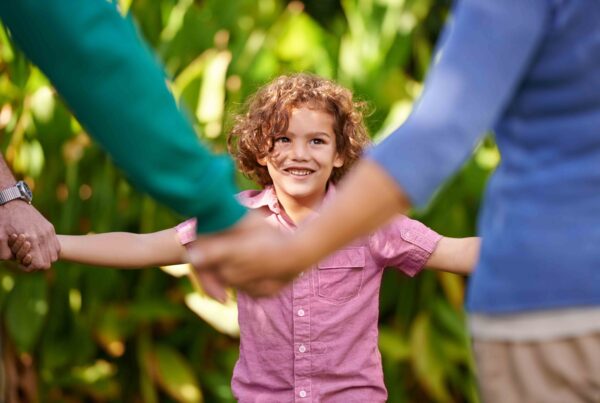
302, 393
300, 312
302, 349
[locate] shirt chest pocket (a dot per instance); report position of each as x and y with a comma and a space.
340, 276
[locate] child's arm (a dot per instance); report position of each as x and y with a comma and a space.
115, 249
455, 255
122, 249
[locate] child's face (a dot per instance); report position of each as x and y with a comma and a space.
303, 159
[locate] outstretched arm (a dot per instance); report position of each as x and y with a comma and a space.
455, 255
114, 249
123, 250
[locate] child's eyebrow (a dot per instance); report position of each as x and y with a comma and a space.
315, 133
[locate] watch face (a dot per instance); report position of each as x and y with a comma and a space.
24, 190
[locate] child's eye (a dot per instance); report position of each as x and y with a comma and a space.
282, 139
318, 141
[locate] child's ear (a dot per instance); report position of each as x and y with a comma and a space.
339, 161
262, 161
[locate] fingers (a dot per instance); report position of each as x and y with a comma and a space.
25, 219
203, 264
212, 285
11, 241
20, 248
23, 251
26, 261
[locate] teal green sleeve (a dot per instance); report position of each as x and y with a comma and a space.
117, 90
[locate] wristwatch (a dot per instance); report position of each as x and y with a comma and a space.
19, 191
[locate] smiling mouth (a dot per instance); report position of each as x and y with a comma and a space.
299, 172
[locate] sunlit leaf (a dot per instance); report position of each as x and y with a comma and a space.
428, 365
7, 283
211, 102
124, 6
487, 157
192, 72
29, 158
393, 345
175, 20
173, 373
42, 104
223, 317
111, 329
177, 270
397, 115
453, 287
299, 39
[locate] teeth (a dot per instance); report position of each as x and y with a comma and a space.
299, 172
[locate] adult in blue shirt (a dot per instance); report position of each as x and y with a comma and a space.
529, 70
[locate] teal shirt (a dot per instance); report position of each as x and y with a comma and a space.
117, 90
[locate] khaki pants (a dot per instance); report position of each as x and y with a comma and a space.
554, 371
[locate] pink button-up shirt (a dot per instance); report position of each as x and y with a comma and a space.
317, 340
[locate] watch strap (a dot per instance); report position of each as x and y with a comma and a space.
9, 194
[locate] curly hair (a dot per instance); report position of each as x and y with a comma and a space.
268, 112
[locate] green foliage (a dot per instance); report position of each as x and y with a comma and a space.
107, 335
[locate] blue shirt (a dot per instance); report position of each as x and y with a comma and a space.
529, 69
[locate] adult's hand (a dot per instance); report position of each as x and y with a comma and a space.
19, 217
251, 256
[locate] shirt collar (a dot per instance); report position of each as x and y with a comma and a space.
255, 199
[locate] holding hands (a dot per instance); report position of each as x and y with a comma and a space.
19, 217
251, 256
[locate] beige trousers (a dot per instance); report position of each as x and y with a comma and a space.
554, 371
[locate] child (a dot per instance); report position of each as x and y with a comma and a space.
317, 339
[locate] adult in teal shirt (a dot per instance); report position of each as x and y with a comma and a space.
111, 81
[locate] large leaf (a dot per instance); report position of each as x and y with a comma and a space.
175, 376
393, 345
26, 311
428, 365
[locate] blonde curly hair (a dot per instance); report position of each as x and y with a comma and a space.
268, 113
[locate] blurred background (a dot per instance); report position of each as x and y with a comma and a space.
78, 333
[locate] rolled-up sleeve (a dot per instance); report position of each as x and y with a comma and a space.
186, 231
405, 244
487, 47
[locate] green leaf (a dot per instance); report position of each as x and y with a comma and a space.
427, 363
26, 311
7, 283
174, 375
453, 287
393, 345
112, 328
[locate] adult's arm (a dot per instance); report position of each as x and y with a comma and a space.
114, 86
18, 216
488, 47
487, 50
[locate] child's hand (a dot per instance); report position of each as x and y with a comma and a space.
20, 247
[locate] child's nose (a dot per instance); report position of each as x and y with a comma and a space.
299, 151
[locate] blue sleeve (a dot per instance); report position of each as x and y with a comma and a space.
113, 84
487, 48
